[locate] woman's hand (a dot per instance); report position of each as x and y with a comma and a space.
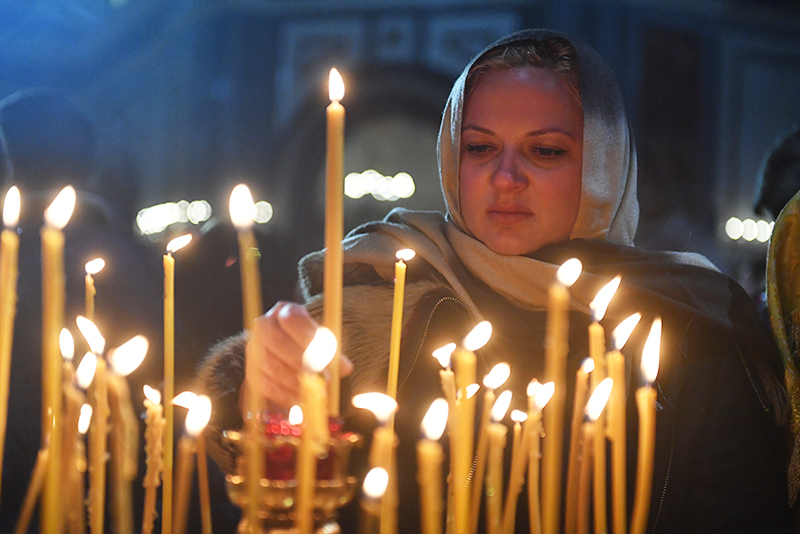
274, 353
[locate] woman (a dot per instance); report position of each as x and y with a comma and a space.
537, 165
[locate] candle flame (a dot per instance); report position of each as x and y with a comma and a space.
518, 416
435, 419
85, 418
295, 415
151, 394
597, 402
376, 482
11, 206
84, 374
472, 390
442, 354
501, 406
603, 298
478, 337
242, 207
569, 272
497, 376
178, 243
95, 266
57, 215
543, 395
320, 351
623, 331
185, 399
126, 358
91, 334
335, 86
198, 416
380, 404
405, 254
533, 388
587, 366
651, 352
67, 344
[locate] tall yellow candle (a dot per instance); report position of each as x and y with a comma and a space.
403, 256
334, 229
316, 429
594, 408
556, 348
153, 436
616, 425
98, 432
196, 421
575, 440
92, 268
202, 483
169, 377
429, 467
538, 397
494, 475
78, 526
374, 488
517, 477
53, 296
646, 404
496, 378
448, 382
9, 252
73, 400
34, 489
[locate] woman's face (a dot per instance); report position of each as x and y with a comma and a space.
521, 155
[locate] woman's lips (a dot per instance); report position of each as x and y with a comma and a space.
509, 214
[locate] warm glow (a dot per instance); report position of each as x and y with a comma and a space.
85, 418
380, 404
472, 390
295, 415
405, 254
126, 358
518, 416
84, 374
178, 243
335, 86
497, 376
11, 207
91, 334
623, 331
501, 406
435, 420
442, 354
478, 337
184, 399
198, 416
242, 207
599, 399
158, 218
95, 266
375, 483
57, 215
569, 272
542, 395
587, 366
382, 188
601, 301
153, 395
651, 352
67, 344
320, 351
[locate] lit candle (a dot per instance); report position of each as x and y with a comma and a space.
196, 421
516, 479
556, 348
56, 217
538, 397
597, 351
448, 381
465, 371
124, 430
73, 401
316, 429
578, 407
494, 475
403, 255
78, 508
374, 488
34, 489
153, 448
334, 228
429, 467
616, 421
169, 376
646, 403
9, 251
92, 268
594, 408
186, 399
496, 378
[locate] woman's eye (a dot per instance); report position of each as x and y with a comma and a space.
549, 152
478, 149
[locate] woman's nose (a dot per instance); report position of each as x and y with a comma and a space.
508, 174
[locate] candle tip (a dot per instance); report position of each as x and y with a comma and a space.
91, 334
376, 482
85, 418
500, 407
295, 415
442, 354
57, 215
623, 331
178, 243
320, 351
185, 399
380, 404
198, 416
335, 86
603, 298
478, 337
94, 266
67, 344
651, 352
405, 254
151, 394
435, 419
242, 208
126, 358
11, 206
597, 402
569, 272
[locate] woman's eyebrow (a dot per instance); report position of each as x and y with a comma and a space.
476, 128
545, 131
